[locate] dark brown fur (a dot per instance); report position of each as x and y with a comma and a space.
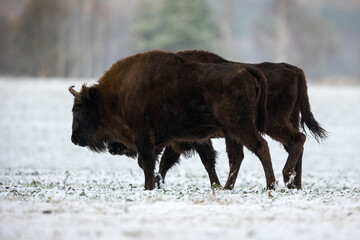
152, 100
287, 98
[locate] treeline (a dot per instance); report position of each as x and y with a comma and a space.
65, 38
83, 38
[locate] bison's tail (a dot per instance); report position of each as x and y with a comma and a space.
317, 131
261, 99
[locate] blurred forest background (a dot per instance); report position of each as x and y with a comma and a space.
82, 38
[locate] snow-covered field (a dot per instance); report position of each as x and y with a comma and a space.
51, 189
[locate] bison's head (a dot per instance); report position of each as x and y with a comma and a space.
85, 116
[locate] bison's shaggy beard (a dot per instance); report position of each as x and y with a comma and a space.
97, 146
99, 142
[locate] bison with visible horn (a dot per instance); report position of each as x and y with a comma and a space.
287, 99
152, 100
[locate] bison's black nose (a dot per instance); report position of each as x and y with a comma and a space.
74, 139
77, 140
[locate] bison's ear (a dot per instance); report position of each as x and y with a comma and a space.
93, 94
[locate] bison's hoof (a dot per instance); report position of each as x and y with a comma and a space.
159, 182
216, 186
229, 186
291, 183
273, 185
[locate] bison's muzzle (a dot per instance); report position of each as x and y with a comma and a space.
77, 141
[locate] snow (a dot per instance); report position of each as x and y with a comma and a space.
52, 189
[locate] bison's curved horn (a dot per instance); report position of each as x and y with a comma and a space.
75, 93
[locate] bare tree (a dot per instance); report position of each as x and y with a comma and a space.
288, 32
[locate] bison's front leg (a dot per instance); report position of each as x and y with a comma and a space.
147, 160
148, 172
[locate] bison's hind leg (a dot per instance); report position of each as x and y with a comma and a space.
293, 166
258, 145
293, 141
248, 135
235, 154
168, 160
159, 181
208, 155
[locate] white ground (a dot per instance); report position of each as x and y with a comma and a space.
51, 189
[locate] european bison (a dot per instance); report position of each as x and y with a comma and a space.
149, 101
287, 98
